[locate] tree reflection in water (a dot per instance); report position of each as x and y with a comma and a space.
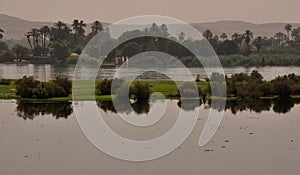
32, 109
140, 107
278, 105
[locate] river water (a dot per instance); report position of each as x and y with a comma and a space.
254, 137
48, 72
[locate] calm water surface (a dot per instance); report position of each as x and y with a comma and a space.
47, 72
255, 137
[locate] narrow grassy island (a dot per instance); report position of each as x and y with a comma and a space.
238, 86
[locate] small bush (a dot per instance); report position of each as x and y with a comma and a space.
65, 83
140, 91
104, 87
4, 82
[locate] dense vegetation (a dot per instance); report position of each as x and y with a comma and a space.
28, 87
240, 49
253, 86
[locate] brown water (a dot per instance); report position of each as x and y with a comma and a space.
46, 139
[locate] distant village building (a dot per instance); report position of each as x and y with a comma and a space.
121, 60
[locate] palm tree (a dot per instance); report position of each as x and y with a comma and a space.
1, 33
223, 36
235, 36
248, 35
75, 26
28, 35
208, 34
59, 25
288, 28
259, 42
97, 26
280, 39
82, 25
35, 37
45, 33
78, 28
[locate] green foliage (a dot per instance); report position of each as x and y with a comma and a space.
253, 86
104, 87
61, 49
27, 87
140, 91
65, 83
282, 86
5, 82
20, 51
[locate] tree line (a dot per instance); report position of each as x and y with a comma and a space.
61, 40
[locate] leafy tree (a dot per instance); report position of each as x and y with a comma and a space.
20, 51
61, 49
131, 49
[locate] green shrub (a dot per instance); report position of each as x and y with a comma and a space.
5, 82
65, 83
27, 87
140, 91
104, 87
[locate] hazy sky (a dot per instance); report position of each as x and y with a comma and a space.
257, 11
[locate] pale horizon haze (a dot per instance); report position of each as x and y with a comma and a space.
255, 11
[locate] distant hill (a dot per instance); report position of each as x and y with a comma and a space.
229, 27
15, 28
